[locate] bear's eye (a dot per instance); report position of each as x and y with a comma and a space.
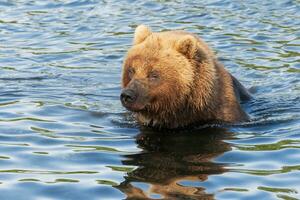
131, 72
154, 75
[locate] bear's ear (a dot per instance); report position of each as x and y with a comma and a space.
141, 33
187, 46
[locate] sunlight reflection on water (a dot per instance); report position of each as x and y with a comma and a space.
65, 135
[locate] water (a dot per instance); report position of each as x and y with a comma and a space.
65, 135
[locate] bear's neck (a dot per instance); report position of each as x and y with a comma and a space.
176, 119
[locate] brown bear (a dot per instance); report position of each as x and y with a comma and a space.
172, 79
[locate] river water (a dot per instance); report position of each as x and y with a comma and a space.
65, 135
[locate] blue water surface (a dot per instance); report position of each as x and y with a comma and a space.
65, 135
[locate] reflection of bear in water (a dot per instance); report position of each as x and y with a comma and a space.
172, 79
169, 158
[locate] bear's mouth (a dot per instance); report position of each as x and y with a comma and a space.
135, 107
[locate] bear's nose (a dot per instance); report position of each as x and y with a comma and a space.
128, 96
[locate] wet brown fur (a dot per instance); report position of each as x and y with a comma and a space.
193, 86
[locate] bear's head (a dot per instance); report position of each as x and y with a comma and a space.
159, 71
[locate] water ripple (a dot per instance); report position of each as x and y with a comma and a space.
62, 127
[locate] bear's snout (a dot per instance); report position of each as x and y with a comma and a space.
127, 97
135, 96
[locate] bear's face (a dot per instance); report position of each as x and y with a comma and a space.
157, 75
